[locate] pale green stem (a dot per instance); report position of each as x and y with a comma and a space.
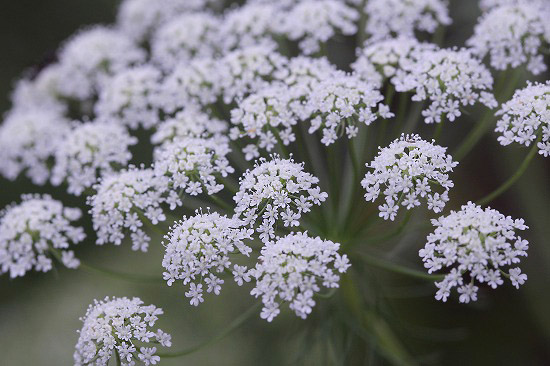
397, 268
235, 324
506, 185
221, 203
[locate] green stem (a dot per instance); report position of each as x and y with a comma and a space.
396, 232
393, 267
221, 203
439, 129
504, 187
240, 320
117, 357
135, 278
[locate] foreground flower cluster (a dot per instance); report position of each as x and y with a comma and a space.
245, 113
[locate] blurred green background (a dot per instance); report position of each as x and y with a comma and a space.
39, 314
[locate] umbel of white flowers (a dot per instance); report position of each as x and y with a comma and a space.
121, 328
292, 268
34, 231
198, 249
472, 246
406, 171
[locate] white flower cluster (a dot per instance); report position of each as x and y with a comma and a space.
131, 98
125, 202
313, 22
404, 17
267, 116
35, 230
292, 269
250, 24
407, 169
475, 245
39, 92
189, 122
513, 35
28, 141
276, 189
140, 18
196, 83
185, 37
91, 58
247, 70
198, 250
449, 79
526, 116
389, 58
122, 328
206, 81
91, 150
193, 164
340, 104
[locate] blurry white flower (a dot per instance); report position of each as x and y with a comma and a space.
513, 35
188, 36
276, 189
526, 116
33, 231
292, 269
91, 57
407, 170
404, 17
189, 122
249, 25
139, 19
117, 326
126, 202
389, 58
314, 22
130, 98
28, 141
91, 150
194, 165
198, 250
474, 245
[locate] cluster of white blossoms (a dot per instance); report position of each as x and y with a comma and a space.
126, 202
474, 245
193, 164
131, 98
183, 38
120, 328
91, 150
198, 250
206, 81
513, 35
250, 24
266, 116
404, 17
340, 104
33, 231
527, 116
450, 79
28, 142
190, 122
276, 189
406, 170
91, 58
247, 70
314, 22
389, 58
292, 269
139, 19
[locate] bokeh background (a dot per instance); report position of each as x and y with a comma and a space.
39, 314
